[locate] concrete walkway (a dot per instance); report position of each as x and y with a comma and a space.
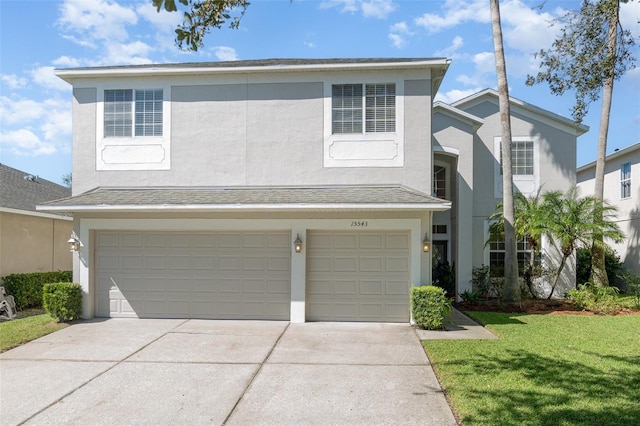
156, 372
459, 326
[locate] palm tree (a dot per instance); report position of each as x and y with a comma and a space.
573, 220
511, 292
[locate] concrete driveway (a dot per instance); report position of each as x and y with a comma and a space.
155, 372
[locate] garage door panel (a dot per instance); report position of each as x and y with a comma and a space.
398, 288
397, 264
358, 276
371, 264
397, 240
282, 263
346, 241
132, 262
230, 240
155, 240
372, 287
319, 264
372, 241
131, 241
155, 262
278, 287
345, 287
279, 240
345, 264
223, 275
254, 263
204, 262
179, 262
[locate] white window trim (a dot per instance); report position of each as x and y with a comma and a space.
447, 180
622, 181
364, 149
134, 152
526, 184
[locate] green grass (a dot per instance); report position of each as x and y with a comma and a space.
544, 370
15, 333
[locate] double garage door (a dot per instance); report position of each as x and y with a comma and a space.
222, 275
351, 276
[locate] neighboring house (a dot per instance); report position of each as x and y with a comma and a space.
195, 185
31, 241
622, 190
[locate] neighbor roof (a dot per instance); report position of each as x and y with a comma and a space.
22, 191
393, 197
615, 154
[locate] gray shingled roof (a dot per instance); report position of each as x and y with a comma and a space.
22, 191
263, 63
247, 197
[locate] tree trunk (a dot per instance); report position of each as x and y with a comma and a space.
511, 291
598, 270
555, 282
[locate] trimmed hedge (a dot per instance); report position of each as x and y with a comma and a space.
63, 301
429, 306
26, 289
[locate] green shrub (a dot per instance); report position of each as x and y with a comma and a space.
429, 306
600, 300
63, 301
633, 284
612, 265
26, 289
473, 296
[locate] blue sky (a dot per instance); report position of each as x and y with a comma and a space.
38, 36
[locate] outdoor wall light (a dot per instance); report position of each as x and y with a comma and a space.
297, 244
74, 244
426, 244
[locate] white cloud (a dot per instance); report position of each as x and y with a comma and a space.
369, 8
32, 127
377, 8
225, 53
66, 62
630, 16
455, 95
450, 51
93, 20
135, 53
397, 40
456, 12
163, 21
44, 77
12, 81
25, 142
398, 34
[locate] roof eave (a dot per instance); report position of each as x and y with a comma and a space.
71, 74
440, 206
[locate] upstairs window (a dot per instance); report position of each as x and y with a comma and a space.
521, 158
625, 180
439, 181
130, 112
355, 107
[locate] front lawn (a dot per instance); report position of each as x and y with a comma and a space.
15, 333
544, 370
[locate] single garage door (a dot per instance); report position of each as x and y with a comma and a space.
213, 275
358, 276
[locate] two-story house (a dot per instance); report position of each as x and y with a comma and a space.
295, 190
622, 190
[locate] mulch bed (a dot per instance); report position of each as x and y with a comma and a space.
551, 307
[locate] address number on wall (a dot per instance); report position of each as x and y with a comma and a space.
359, 224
